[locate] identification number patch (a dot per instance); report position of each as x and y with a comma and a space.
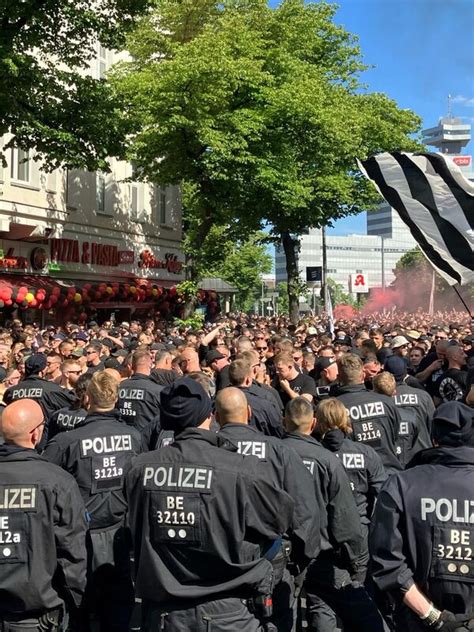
13, 543
367, 432
175, 518
107, 472
453, 553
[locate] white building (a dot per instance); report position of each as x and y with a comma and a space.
78, 227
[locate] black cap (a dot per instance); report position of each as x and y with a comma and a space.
396, 366
453, 425
321, 364
184, 404
35, 364
108, 343
213, 355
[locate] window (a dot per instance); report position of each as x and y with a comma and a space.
102, 62
133, 198
100, 193
163, 217
20, 167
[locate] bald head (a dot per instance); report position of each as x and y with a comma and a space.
189, 361
22, 423
231, 407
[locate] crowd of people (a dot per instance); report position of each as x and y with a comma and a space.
252, 475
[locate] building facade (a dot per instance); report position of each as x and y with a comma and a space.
77, 228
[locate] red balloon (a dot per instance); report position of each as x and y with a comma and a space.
8, 302
33, 303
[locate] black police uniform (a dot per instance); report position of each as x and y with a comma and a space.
66, 419
416, 410
200, 517
98, 454
288, 471
49, 395
375, 421
138, 400
266, 392
266, 416
329, 584
423, 533
364, 470
42, 541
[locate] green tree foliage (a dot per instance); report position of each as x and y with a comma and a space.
283, 303
46, 100
338, 296
240, 263
414, 267
260, 112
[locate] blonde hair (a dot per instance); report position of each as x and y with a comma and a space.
102, 390
332, 414
384, 383
350, 368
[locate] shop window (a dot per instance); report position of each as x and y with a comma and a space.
20, 167
100, 193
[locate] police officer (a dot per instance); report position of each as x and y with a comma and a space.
98, 453
334, 580
374, 417
414, 429
201, 517
69, 418
422, 536
49, 395
265, 415
42, 529
288, 471
362, 464
139, 396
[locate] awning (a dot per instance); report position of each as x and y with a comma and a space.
35, 282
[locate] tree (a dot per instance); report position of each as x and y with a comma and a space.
260, 112
413, 282
47, 102
240, 263
282, 300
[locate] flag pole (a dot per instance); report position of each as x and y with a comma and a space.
462, 301
431, 305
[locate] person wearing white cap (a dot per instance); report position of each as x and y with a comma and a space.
400, 346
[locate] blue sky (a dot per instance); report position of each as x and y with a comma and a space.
421, 50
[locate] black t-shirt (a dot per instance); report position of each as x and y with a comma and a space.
452, 385
301, 384
431, 381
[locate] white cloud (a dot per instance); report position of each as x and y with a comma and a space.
468, 102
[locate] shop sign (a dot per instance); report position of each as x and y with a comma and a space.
126, 256
10, 261
69, 251
148, 261
359, 283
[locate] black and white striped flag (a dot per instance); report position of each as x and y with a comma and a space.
435, 201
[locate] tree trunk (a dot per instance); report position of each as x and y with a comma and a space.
290, 246
191, 270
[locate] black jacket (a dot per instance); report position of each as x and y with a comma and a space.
375, 420
416, 410
363, 467
287, 471
49, 395
98, 454
200, 517
423, 529
266, 416
341, 530
65, 419
42, 531
138, 400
